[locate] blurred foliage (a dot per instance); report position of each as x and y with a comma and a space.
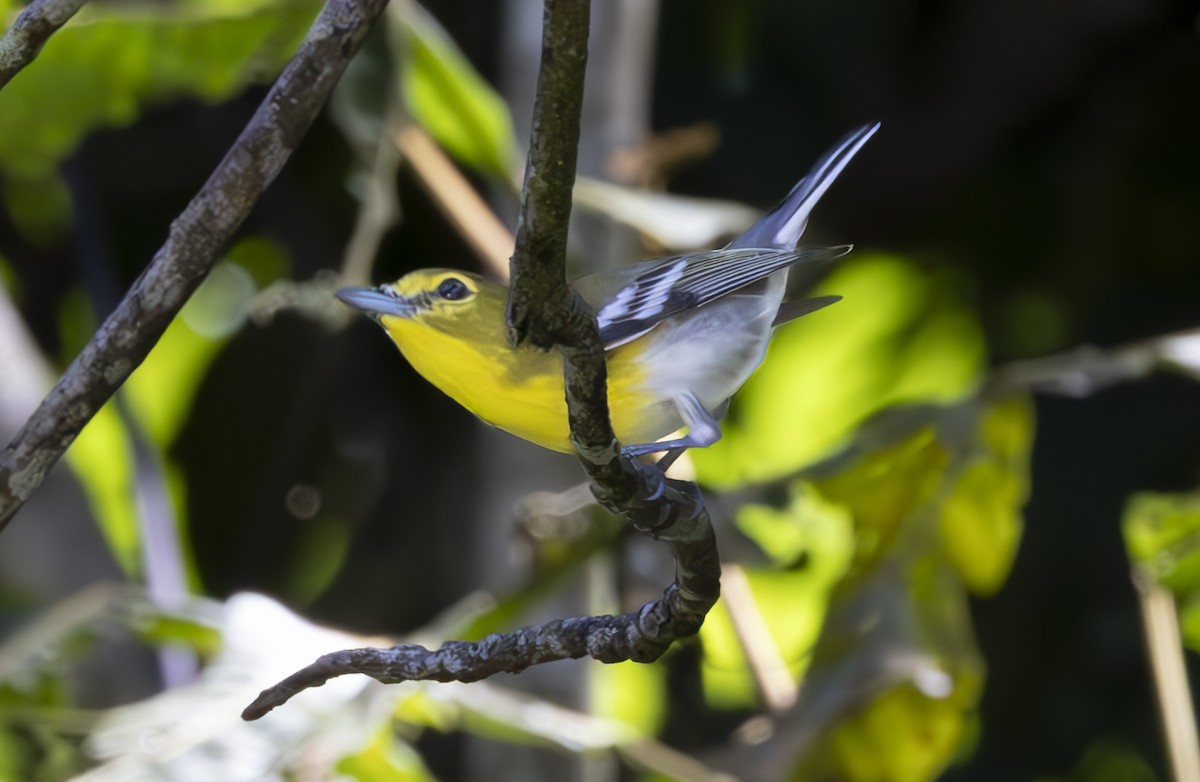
810, 543
383, 759
901, 735
899, 335
926, 497
449, 98
1107, 760
926, 515
352, 726
105, 68
112, 62
154, 403
875, 486
1162, 533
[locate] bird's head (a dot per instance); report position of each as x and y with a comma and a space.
455, 303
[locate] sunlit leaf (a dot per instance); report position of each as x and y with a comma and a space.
899, 335
102, 456
900, 736
1162, 533
449, 98
813, 542
980, 522
102, 459
385, 759
629, 692
929, 498
895, 680
420, 708
179, 630
726, 676
884, 487
1189, 620
14, 755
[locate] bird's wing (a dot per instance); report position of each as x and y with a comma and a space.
790, 310
665, 288
631, 303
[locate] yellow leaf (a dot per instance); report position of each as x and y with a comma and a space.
900, 736
980, 521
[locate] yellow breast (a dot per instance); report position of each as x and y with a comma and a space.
521, 391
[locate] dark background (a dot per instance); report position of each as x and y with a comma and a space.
1047, 151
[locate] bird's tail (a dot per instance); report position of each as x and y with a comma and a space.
784, 224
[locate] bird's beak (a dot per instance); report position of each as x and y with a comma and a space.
378, 302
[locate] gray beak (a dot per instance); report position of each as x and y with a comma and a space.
376, 302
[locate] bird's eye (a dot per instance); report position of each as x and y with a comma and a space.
452, 289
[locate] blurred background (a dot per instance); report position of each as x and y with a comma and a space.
929, 575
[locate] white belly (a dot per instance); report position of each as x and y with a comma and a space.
712, 351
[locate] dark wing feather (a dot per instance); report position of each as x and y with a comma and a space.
676, 285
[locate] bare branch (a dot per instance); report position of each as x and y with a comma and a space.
539, 302
196, 238
1086, 370
545, 312
34, 26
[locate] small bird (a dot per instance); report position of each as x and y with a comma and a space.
681, 334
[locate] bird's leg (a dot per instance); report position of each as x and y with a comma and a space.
702, 429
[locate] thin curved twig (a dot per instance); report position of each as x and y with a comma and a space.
195, 240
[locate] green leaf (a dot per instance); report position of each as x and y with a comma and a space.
385, 759
102, 459
980, 521
1162, 533
900, 335
813, 542
882, 488
632, 693
109, 64
902, 735
449, 98
102, 456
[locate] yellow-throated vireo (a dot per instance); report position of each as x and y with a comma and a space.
682, 334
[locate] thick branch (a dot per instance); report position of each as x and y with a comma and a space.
539, 302
29, 33
196, 238
544, 312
